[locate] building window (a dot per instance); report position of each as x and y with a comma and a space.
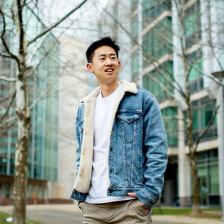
37, 190
208, 173
195, 74
7, 190
193, 24
134, 28
153, 8
42, 190
165, 69
134, 4
170, 122
156, 45
202, 112
30, 191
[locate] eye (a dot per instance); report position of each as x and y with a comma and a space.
101, 58
113, 57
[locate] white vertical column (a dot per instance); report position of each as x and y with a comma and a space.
52, 100
140, 42
184, 169
44, 108
221, 146
217, 23
206, 48
178, 64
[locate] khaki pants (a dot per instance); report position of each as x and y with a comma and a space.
129, 212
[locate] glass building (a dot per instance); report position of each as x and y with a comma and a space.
156, 24
158, 50
43, 84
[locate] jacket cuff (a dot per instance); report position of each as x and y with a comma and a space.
144, 197
78, 196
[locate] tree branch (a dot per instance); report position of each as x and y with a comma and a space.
206, 129
7, 121
9, 55
10, 104
154, 62
57, 23
6, 55
7, 79
209, 76
37, 48
21, 30
41, 95
163, 86
151, 58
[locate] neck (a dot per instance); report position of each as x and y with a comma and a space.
107, 89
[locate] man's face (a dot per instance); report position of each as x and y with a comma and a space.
105, 65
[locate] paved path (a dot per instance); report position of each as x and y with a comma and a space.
71, 214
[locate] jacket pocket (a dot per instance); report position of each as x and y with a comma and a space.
128, 125
128, 129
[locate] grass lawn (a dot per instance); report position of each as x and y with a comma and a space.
206, 213
170, 211
4, 216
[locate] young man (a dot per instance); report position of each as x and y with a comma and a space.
121, 145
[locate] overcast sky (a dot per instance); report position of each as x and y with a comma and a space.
80, 24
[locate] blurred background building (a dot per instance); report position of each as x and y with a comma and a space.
44, 58
58, 79
151, 36
73, 87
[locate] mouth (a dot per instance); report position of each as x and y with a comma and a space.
109, 70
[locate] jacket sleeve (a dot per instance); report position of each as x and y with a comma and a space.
78, 139
155, 150
77, 195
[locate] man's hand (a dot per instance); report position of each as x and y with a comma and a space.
134, 195
80, 205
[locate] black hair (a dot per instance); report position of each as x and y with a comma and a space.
104, 41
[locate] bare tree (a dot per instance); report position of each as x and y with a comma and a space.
161, 43
13, 20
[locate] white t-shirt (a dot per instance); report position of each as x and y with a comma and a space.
99, 181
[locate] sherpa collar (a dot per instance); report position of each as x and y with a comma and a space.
126, 87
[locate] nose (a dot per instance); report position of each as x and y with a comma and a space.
108, 61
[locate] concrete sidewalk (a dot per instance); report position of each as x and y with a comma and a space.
71, 214
184, 220
51, 213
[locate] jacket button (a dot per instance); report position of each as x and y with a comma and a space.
110, 190
111, 149
111, 170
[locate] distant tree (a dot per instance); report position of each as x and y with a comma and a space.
182, 39
12, 16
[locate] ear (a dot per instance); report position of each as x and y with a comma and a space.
119, 65
90, 67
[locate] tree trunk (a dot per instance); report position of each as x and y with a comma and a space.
192, 149
23, 115
20, 177
195, 180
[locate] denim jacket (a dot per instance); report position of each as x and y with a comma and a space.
137, 150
